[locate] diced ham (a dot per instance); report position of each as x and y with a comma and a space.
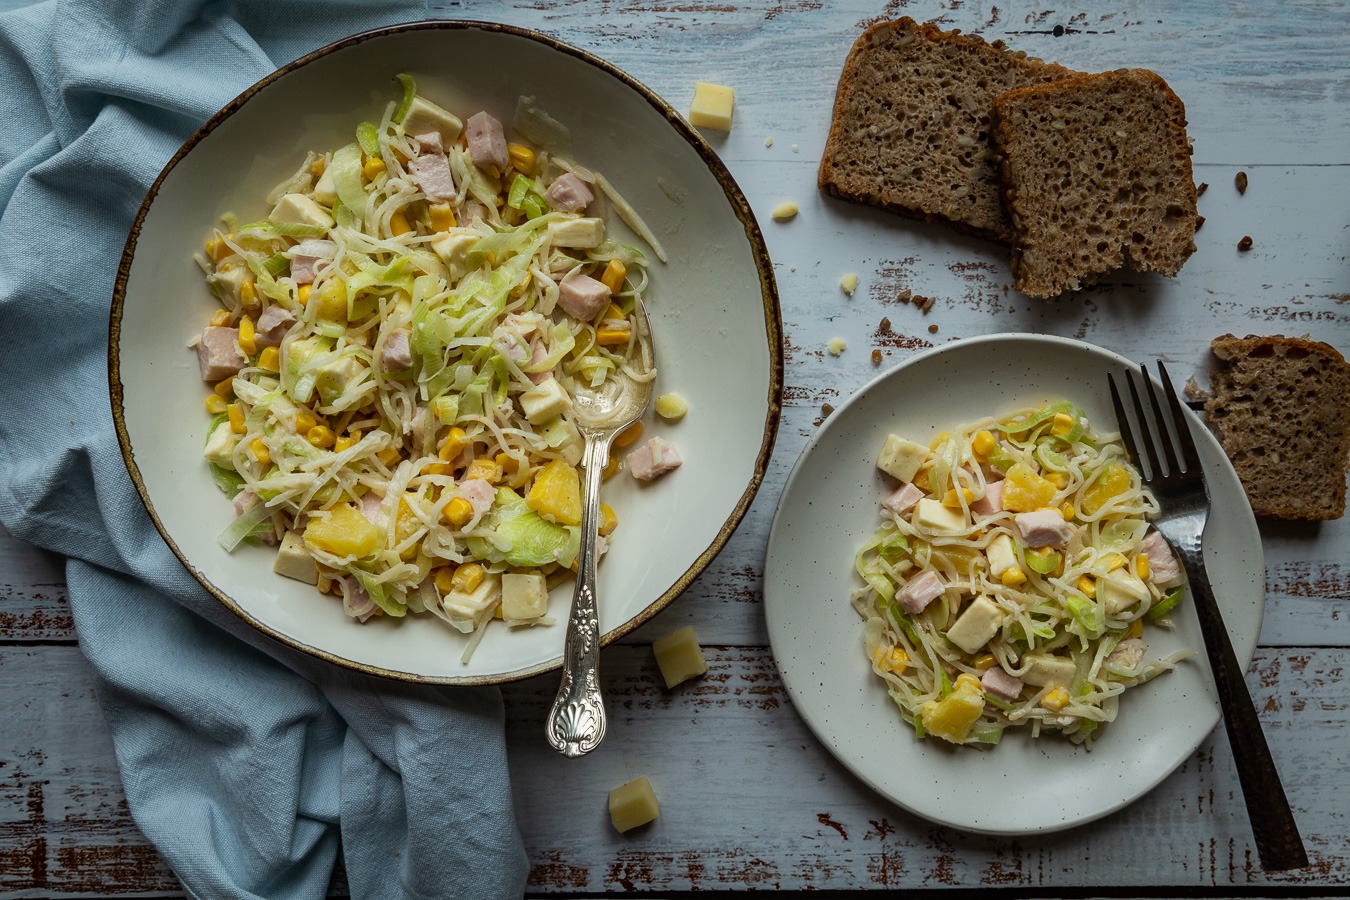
432, 172
904, 498
370, 507
582, 297
486, 142
396, 354
430, 142
355, 600
653, 459
306, 257
1163, 568
218, 353
302, 269
505, 342
474, 212
991, 502
1127, 655
568, 194
999, 683
244, 501
538, 352
272, 325
1043, 528
479, 492
920, 591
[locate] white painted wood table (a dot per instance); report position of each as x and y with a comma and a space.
750, 799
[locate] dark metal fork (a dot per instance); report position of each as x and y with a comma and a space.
1179, 485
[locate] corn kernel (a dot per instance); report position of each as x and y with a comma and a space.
508, 463
443, 578
216, 404
224, 388
1087, 586
316, 168
1058, 479
892, 659
1114, 561
611, 337
221, 318
671, 406
609, 520
389, 456
218, 250
985, 661
967, 681
248, 296
485, 468
442, 216
269, 359
628, 435
458, 511
1063, 423
1013, 577
983, 443
1066, 509
453, 445
236, 414
346, 442
611, 468
950, 499
1055, 700
302, 293
1141, 566
521, 158
398, 224
248, 337
304, 421
260, 451
467, 577
373, 167
939, 440
615, 273
1135, 630
321, 436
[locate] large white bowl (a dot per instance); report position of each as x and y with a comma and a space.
713, 307
830, 507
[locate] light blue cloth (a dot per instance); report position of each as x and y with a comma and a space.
250, 766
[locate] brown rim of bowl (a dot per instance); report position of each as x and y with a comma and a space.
768, 292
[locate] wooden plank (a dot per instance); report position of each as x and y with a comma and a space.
749, 797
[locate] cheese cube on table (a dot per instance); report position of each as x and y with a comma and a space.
712, 106
633, 804
901, 458
679, 656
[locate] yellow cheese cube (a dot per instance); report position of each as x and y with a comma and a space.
633, 804
712, 106
679, 656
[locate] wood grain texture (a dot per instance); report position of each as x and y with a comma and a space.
750, 798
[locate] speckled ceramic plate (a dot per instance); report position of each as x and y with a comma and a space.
713, 308
829, 508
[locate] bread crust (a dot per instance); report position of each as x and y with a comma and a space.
1052, 252
1281, 409
864, 163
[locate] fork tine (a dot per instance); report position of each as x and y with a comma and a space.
1126, 432
1164, 441
1190, 457
1145, 430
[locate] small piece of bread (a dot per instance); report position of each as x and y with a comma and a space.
1281, 408
910, 126
1096, 175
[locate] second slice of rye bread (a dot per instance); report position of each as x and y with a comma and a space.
1096, 175
910, 126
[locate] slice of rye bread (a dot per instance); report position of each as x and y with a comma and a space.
1096, 175
909, 131
1281, 409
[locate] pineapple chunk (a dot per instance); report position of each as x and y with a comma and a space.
1025, 491
952, 717
344, 532
1116, 480
556, 493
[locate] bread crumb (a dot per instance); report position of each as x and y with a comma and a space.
904, 296
876, 357
1201, 188
784, 211
1241, 181
768, 141
836, 346
796, 149
826, 409
924, 303
885, 324
849, 283
932, 329
1245, 244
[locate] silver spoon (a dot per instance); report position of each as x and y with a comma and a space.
576, 723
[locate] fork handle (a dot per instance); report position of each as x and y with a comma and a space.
1278, 843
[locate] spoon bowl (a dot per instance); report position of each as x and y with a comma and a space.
576, 722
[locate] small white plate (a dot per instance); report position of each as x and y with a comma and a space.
713, 308
830, 507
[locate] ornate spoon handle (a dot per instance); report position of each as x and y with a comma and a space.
576, 723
